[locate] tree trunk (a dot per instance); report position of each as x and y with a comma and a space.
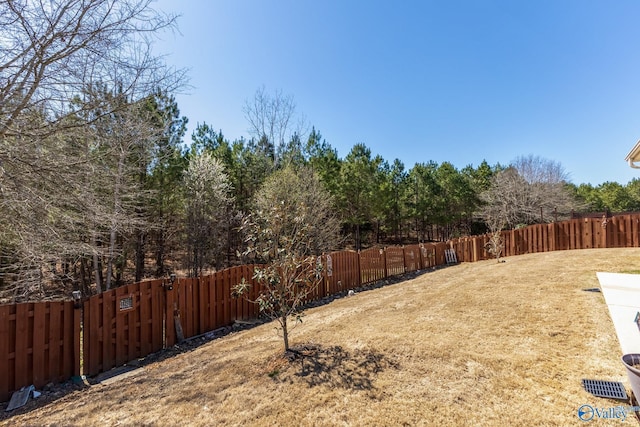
115, 219
141, 234
285, 332
112, 246
229, 249
96, 265
84, 277
140, 248
160, 254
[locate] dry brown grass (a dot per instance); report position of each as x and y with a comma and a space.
473, 344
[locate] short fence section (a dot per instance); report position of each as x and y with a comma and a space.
585, 233
200, 305
394, 261
40, 342
123, 324
342, 271
372, 265
412, 260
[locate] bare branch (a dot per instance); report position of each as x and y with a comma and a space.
50, 51
272, 118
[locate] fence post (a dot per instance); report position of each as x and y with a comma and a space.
359, 270
384, 262
473, 251
5, 383
407, 263
169, 327
77, 324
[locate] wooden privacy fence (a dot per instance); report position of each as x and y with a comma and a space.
41, 342
136, 320
123, 324
584, 233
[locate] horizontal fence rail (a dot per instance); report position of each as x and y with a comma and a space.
40, 342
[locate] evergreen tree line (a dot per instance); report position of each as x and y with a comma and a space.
149, 204
139, 202
610, 196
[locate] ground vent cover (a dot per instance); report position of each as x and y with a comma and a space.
609, 389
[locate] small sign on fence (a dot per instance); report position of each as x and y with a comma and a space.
126, 303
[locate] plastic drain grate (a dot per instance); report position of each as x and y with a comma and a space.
610, 389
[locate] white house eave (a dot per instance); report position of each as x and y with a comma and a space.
634, 156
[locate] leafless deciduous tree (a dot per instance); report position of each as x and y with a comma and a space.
503, 203
50, 50
536, 169
57, 140
531, 190
273, 121
546, 188
120, 144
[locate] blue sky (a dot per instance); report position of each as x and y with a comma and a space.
450, 80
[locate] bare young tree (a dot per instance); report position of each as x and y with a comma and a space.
273, 121
503, 205
293, 224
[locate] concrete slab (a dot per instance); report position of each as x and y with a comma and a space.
118, 374
622, 295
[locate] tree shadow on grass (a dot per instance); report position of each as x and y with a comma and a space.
334, 367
